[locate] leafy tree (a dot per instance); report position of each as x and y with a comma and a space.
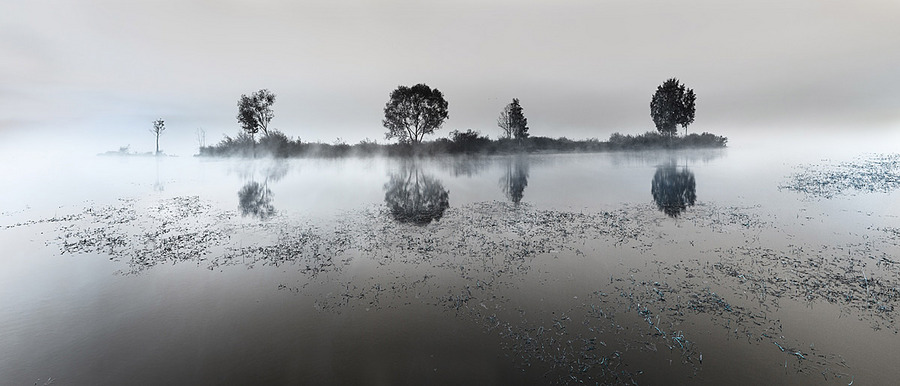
468, 141
158, 127
672, 105
512, 121
277, 144
413, 112
255, 112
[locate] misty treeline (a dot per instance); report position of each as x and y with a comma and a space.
413, 112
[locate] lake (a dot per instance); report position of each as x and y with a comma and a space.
731, 266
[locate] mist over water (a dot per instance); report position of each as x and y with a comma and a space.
528, 269
771, 261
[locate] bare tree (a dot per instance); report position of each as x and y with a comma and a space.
158, 127
504, 122
201, 137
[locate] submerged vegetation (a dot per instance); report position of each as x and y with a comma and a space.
609, 293
874, 173
610, 332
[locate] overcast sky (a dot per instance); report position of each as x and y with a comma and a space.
580, 68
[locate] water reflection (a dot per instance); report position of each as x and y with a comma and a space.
413, 196
630, 158
515, 180
158, 186
255, 198
468, 166
673, 190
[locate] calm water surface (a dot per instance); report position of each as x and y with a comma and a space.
681, 267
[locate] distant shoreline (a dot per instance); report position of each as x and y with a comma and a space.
113, 153
279, 145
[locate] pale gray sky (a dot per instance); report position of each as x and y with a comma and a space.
581, 68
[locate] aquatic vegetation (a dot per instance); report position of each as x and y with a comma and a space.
475, 262
879, 173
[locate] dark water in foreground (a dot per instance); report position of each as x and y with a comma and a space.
711, 267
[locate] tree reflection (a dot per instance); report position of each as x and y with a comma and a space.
415, 197
254, 198
673, 190
515, 180
276, 171
158, 185
468, 166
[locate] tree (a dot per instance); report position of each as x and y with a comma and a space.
512, 121
255, 112
201, 137
672, 105
505, 123
468, 141
158, 127
413, 112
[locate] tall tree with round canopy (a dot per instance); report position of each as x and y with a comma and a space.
673, 104
413, 112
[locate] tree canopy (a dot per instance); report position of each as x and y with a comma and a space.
255, 112
672, 105
512, 121
413, 112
